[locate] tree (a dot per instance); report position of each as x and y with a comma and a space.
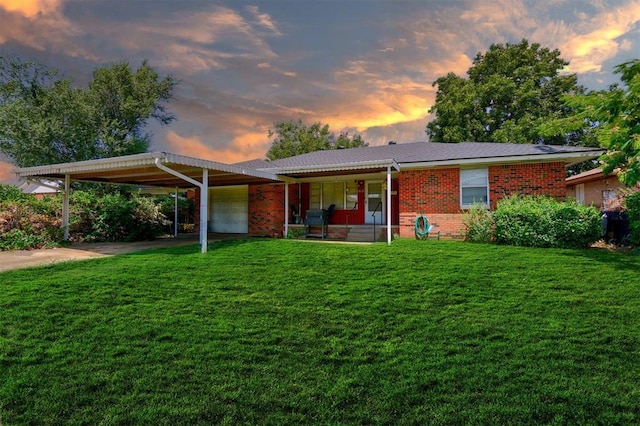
511, 90
292, 138
44, 119
614, 114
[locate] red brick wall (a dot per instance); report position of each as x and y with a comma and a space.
435, 193
528, 179
266, 208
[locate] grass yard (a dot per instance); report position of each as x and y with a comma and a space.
292, 332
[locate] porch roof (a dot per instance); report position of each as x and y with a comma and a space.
142, 169
343, 168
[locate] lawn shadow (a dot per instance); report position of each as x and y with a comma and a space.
622, 259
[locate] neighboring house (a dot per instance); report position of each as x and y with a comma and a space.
438, 180
367, 187
40, 189
594, 188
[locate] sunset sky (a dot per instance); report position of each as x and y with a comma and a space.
362, 66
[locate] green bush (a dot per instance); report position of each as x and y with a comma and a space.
632, 204
11, 193
545, 222
115, 217
27, 223
478, 224
24, 225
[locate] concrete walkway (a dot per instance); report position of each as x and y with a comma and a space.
28, 258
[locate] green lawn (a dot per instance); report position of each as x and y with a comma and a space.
292, 332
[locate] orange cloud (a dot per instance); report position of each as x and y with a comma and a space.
246, 146
598, 40
6, 173
30, 8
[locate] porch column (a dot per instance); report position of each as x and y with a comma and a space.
286, 209
389, 205
65, 207
175, 215
204, 210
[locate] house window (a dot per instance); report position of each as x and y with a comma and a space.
333, 193
474, 187
322, 195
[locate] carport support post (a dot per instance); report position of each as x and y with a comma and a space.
204, 210
65, 207
286, 209
175, 216
389, 205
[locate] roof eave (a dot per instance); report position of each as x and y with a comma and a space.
567, 157
360, 165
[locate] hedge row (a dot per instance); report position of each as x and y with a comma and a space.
26, 222
535, 222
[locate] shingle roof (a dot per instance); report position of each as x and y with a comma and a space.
426, 152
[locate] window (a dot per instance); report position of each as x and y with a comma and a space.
333, 193
322, 195
474, 187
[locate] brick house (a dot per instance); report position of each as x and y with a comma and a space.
393, 184
382, 188
594, 188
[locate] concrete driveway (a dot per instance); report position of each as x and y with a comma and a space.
28, 258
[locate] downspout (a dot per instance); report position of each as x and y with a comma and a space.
204, 207
388, 205
65, 207
175, 216
286, 209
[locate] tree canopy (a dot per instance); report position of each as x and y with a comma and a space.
614, 115
511, 90
45, 119
290, 138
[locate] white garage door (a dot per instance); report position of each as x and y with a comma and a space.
229, 209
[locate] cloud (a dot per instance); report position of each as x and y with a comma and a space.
596, 40
264, 19
6, 173
30, 8
239, 149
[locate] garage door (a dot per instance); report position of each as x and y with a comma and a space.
229, 209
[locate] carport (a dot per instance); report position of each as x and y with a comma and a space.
155, 169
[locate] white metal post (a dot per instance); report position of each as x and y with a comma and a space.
389, 205
65, 207
286, 209
175, 216
204, 209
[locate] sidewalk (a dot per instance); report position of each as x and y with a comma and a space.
28, 258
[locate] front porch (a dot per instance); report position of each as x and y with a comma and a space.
342, 232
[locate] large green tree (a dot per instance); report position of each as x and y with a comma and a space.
45, 119
511, 90
614, 115
290, 138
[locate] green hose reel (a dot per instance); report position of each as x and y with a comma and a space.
423, 227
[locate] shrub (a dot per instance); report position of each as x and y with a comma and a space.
11, 193
632, 204
26, 222
116, 217
23, 227
545, 222
478, 224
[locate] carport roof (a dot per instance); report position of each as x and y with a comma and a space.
141, 169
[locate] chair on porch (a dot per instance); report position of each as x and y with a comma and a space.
329, 212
